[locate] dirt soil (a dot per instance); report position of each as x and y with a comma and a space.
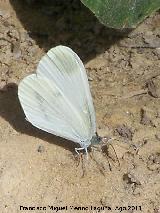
38, 169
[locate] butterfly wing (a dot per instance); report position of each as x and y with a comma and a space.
57, 98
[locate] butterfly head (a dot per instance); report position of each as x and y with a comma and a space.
96, 139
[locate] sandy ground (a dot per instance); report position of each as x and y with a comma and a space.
40, 170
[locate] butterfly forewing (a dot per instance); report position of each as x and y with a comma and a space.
57, 99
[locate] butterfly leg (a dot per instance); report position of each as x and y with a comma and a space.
81, 148
105, 149
78, 149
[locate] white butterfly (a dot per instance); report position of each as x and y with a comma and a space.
57, 98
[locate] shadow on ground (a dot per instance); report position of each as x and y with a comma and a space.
51, 23
70, 23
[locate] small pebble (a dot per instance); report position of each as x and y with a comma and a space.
40, 148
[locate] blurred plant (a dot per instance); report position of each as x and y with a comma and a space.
121, 14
